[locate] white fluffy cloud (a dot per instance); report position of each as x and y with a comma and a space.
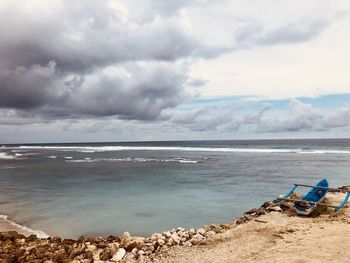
296, 117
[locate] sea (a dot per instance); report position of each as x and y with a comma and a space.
76, 189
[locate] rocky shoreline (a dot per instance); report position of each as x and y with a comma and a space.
15, 247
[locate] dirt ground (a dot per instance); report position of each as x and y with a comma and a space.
277, 237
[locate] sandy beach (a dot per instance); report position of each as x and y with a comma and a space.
267, 234
275, 237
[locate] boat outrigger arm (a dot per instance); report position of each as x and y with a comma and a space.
295, 186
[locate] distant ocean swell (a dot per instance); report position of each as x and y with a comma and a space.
91, 149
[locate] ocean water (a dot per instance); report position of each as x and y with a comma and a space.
145, 187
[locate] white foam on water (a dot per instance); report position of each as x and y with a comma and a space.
52, 156
4, 155
91, 149
38, 233
81, 161
89, 160
9, 167
325, 152
187, 161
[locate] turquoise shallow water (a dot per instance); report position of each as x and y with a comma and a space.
81, 189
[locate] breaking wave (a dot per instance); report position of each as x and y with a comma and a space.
38, 233
4, 155
92, 149
89, 160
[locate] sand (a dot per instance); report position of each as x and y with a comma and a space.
283, 238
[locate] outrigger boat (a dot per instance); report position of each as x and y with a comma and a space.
313, 198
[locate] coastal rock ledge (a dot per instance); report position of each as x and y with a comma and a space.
15, 247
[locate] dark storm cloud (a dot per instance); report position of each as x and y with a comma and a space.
54, 63
82, 59
85, 35
130, 90
24, 88
150, 88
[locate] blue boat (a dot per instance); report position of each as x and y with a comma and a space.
314, 197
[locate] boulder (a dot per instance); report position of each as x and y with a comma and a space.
268, 204
275, 208
210, 233
69, 242
196, 238
114, 245
55, 240
60, 255
31, 238
161, 242
241, 220
132, 242
192, 231
251, 211
167, 234
96, 254
175, 238
201, 231
113, 238
261, 211
91, 248
95, 239
119, 255
107, 253
19, 253
126, 235
156, 236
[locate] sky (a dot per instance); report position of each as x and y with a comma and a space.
128, 70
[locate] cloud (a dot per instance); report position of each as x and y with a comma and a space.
25, 88
81, 36
303, 117
299, 117
17, 117
80, 59
220, 117
131, 60
131, 90
338, 118
254, 34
